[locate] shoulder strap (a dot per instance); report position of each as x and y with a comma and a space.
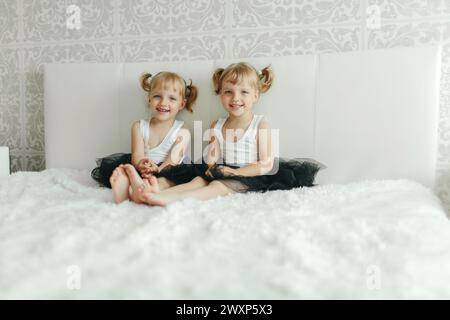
219, 124
175, 128
256, 122
254, 125
218, 127
145, 130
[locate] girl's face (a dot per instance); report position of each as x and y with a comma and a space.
238, 99
166, 101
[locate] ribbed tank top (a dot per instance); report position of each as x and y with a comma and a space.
159, 153
245, 150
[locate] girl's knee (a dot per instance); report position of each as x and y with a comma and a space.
165, 183
220, 185
216, 183
200, 181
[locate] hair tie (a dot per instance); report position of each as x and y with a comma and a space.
260, 74
188, 88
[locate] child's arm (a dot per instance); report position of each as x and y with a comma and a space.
213, 147
178, 150
266, 158
138, 158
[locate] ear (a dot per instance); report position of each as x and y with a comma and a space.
183, 104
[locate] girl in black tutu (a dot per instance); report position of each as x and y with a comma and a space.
157, 143
240, 157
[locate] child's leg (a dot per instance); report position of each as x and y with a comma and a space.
120, 185
212, 190
165, 183
132, 175
135, 181
197, 182
148, 190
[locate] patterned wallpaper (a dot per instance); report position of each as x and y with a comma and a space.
34, 32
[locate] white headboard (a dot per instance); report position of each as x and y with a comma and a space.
366, 115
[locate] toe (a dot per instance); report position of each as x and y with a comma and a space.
153, 180
147, 183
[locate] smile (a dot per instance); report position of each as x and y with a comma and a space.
236, 106
161, 109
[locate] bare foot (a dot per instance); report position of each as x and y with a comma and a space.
146, 191
150, 185
154, 199
135, 181
119, 185
133, 175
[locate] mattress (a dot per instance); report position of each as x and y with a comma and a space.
62, 236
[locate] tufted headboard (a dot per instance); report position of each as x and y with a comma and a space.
366, 115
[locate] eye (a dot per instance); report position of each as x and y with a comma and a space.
245, 92
173, 98
156, 96
227, 92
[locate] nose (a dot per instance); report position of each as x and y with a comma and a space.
164, 100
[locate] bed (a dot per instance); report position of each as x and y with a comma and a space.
371, 229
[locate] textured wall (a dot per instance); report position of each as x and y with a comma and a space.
33, 32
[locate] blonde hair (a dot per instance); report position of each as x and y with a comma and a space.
188, 92
237, 72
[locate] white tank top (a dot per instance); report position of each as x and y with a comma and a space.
245, 150
159, 153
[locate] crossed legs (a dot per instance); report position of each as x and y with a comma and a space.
127, 184
121, 185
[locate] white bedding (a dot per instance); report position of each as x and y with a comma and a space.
372, 239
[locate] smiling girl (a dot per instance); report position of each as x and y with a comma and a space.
158, 143
240, 157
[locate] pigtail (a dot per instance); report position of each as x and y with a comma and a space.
216, 79
191, 95
145, 83
266, 78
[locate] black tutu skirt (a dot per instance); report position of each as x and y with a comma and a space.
179, 174
106, 166
287, 174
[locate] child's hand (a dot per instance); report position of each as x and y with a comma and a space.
147, 175
143, 166
208, 171
147, 167
227, 171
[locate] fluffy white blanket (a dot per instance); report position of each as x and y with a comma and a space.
61, 236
